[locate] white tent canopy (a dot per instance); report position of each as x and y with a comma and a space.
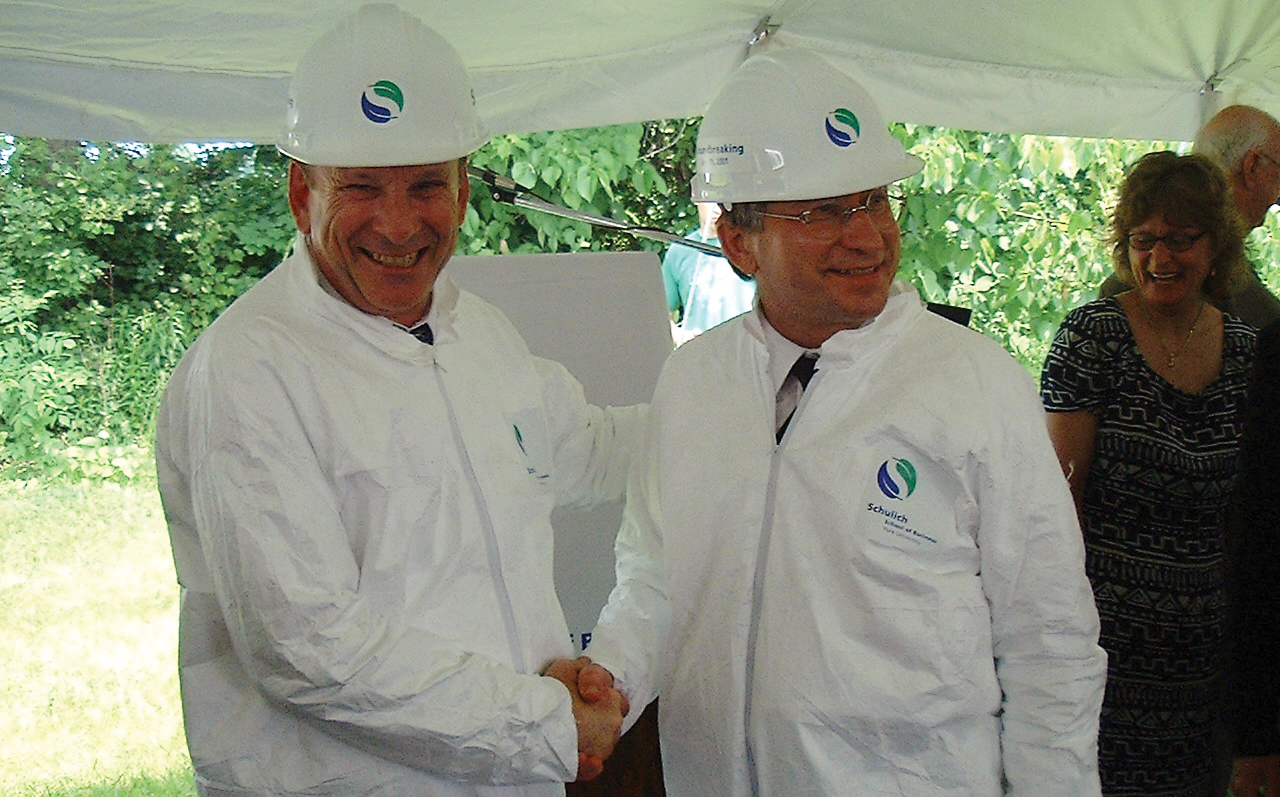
173, 70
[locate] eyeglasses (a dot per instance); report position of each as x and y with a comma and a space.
1273, 161
828, 220
1174, 241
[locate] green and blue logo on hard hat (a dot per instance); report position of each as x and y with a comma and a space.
842, 127
375, 110
899, 483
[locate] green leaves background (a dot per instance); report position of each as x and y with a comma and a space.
114, 256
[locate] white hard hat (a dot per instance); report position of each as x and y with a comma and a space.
787, 125
380, 89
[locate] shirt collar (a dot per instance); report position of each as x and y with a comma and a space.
903, 304
783, 353
444, 297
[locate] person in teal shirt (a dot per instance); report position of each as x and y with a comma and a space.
702, 289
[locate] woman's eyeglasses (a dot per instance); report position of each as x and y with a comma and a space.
1174, 241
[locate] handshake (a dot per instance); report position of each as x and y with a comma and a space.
598, 710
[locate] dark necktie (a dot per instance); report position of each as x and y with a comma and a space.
802, 371
423, 333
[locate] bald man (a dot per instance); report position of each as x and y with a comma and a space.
1246, 144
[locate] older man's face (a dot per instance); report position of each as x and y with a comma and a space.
814, 283
381, 235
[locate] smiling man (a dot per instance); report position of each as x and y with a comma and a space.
381, 237
358, 463
849, 562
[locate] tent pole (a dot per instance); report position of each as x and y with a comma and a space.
506, 190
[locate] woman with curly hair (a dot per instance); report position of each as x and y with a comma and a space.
1145, 393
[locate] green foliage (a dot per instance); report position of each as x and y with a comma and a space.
633, 173
1264, 251
40, 373
1012, 227
113, 257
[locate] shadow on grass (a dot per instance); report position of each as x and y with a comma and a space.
170, 784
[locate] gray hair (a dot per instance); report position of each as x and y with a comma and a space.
746, 215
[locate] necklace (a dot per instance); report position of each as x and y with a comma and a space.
1173, 353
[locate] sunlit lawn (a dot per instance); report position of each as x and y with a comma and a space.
88, 679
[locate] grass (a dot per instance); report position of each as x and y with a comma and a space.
88, 612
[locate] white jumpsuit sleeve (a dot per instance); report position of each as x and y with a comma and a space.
287, 580
630, 637
1044, 623
593, 446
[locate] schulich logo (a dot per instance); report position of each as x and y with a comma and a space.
385, 93
897, 478
842, 127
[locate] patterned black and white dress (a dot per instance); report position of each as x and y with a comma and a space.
1154, 513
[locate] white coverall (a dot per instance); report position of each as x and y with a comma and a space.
361, 528
891, 601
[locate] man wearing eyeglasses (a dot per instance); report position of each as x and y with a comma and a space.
849, 563
1245, 143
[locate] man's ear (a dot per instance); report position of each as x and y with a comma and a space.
738, 245
1249, 165
300, 197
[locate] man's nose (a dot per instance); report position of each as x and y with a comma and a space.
861, 231
397, 219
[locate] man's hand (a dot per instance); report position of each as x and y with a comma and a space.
1256, 776
598, 711
595, 683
